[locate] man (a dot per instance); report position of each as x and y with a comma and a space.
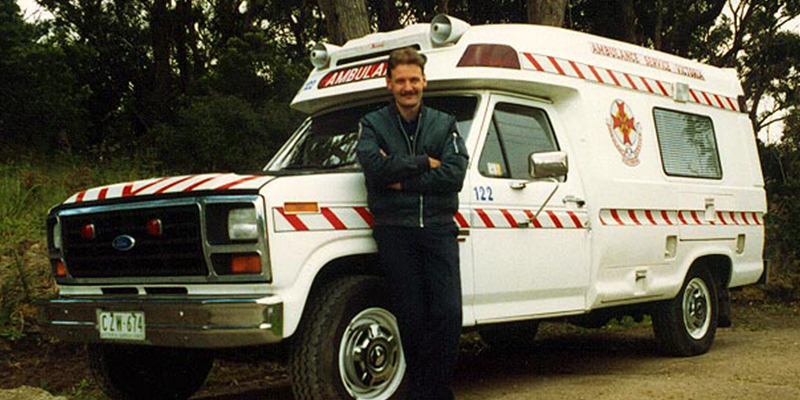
414, 163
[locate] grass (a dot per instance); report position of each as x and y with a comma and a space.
27, 191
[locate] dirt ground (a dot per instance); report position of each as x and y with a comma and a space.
759, 358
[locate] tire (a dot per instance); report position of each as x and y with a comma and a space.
511, 336
143, 372
686, 325
348, 344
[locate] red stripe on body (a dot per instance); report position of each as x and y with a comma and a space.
332, 218
632, 214
694, 96
554, 218
237, 182
128, 190
534, 62
103, 193
680, 217
666, 217
365, 215
755, 218
596, 75
616, 217
80, 196
733, 107
694, 217
744, 217
163, 189
722, 218
485, 218
705, 96
509, 218
661, 87
628, 77
555, 64
733, 217
294, 220
534, 221
650, 218
575, 219
719, 101
647, 85
198, 183
462, 222
577, 70
611, 74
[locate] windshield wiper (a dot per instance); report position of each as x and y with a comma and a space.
317, 166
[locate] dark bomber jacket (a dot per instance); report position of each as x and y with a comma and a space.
429, 196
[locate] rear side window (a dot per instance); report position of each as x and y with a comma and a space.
688, 144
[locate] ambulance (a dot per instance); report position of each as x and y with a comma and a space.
604, 180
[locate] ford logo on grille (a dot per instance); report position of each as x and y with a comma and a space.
123, 242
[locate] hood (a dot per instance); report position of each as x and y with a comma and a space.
172, 185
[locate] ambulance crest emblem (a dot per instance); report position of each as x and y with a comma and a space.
625, 132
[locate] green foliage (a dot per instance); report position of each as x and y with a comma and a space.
224, 133
27, 191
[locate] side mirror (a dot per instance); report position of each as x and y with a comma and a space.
551, 164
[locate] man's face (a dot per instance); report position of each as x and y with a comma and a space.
406, 84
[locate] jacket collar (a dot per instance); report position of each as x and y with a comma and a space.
395, 112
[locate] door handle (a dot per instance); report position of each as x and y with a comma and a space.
572, 199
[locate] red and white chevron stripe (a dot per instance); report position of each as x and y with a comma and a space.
513, 218
605, 76
177, 184
626, 217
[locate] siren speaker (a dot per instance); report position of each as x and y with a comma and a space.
321, 54
446, 29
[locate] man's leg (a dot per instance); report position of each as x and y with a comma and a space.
439, 350
402, 265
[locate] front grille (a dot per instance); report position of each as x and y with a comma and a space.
178, 251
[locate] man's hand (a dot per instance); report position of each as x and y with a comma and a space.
434, 162
396, 186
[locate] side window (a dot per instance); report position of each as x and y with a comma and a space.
515, 132
688, 144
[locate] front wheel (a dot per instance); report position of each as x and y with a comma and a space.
686, 325
348, 344
148, 373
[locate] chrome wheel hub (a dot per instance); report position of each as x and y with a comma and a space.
371, 362
696, 308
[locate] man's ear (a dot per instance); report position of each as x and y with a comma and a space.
388, 83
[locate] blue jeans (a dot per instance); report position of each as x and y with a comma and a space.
422, 268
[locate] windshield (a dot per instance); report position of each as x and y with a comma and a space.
329, 141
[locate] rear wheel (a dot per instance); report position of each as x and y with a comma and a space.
148, 373
686, 325
348, 345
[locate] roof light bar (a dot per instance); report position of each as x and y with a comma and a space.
490, 55
446, 29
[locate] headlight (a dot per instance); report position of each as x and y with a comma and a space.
242, 224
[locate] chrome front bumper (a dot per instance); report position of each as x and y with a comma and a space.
206, 322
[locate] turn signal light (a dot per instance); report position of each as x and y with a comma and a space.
301, 207
154, 227
61, 270
88, 231
246, 264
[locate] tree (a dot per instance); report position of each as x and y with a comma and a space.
345, 19
547, 12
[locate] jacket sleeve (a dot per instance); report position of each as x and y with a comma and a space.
449, 177
381, 170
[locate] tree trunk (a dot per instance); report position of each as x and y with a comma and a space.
160, 31
345, 19
547, 12
442, 6
628, 22
388, 16
659, 24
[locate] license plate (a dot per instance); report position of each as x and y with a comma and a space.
121, 325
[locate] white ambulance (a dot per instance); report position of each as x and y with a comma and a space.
605, 179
